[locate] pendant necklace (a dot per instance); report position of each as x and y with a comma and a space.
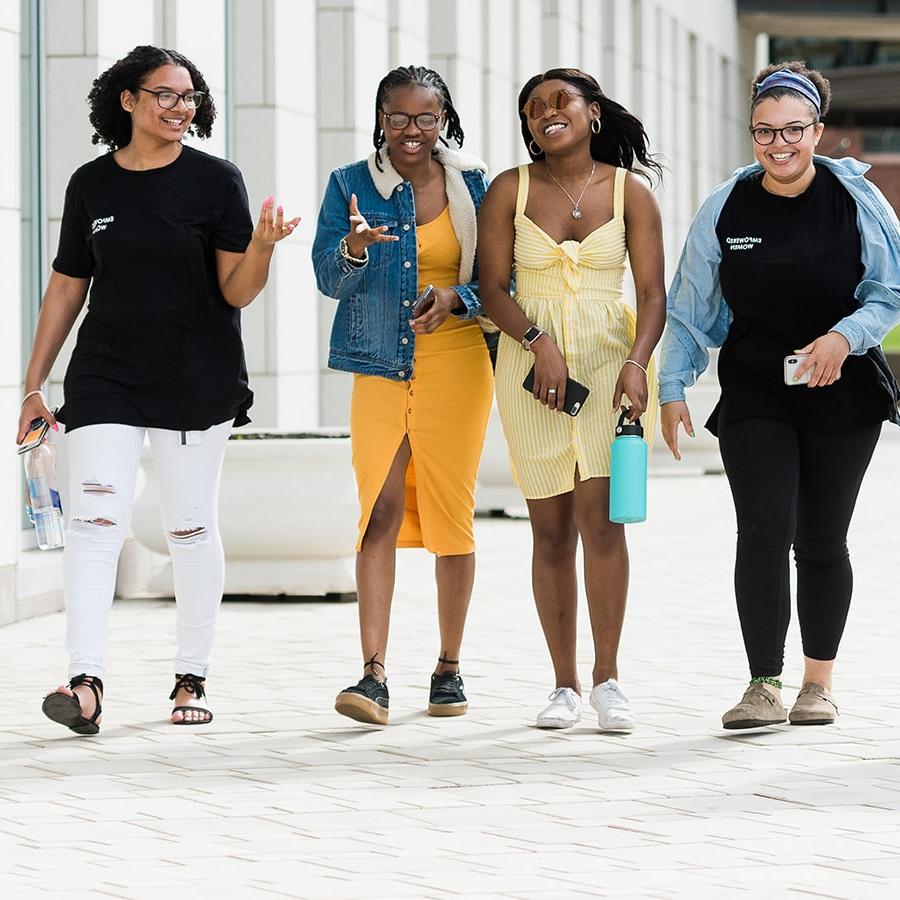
576, 208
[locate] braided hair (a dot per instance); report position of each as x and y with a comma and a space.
622, 138
112, 124
404, 76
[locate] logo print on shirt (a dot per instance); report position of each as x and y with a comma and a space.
742, 243
99, 225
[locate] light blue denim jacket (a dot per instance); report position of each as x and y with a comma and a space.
698, 315
371, 333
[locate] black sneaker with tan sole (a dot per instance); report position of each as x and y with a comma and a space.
447, 696
366, 701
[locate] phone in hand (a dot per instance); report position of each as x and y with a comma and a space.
576, 393
37, 432
423, 301
791, 364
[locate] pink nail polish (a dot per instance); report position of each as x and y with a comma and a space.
55, 427
280, 210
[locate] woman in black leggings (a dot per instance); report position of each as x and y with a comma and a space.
792, 268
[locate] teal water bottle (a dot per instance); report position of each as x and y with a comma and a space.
628, 473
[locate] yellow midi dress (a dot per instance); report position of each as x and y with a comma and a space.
573, 290
443, 409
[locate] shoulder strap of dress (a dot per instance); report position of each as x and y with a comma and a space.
522, 194
619, 194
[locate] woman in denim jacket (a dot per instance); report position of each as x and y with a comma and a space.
792, 267
389, 227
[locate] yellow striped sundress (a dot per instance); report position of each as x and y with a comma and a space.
572, 290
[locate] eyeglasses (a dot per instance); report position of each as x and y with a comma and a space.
558, 100
790, 134
169, 99
399, 121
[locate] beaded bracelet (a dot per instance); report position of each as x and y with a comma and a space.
767, 679
32, 394
634, 362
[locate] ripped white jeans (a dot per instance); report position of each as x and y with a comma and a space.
103, 463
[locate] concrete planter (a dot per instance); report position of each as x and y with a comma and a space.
287, 512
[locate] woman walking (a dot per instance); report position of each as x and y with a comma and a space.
792, 266
566, 223
161, 234
389, 227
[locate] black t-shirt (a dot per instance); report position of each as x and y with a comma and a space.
159, 346
789, 270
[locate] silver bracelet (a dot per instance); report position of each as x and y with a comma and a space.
31, 394
634, 362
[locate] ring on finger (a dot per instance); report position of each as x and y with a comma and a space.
551, 390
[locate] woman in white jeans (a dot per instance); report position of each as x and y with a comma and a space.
161, 233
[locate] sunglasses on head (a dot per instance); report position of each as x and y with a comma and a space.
558, 100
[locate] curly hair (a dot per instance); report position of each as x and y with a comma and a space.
112, 124
823, 86
622, 138
423, 77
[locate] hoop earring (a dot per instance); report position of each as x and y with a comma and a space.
596, 122
531, 150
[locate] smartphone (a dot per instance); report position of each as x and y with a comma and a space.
791, 364
422, 301
576, 393
37, 431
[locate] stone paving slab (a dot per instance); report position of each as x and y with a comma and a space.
280, 797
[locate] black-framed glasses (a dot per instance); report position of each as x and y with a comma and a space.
399, 121
558, 100
790, 134
169, 99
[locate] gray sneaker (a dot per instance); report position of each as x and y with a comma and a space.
814, 706
759, 706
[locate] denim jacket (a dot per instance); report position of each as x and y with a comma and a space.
371, 333
698, 316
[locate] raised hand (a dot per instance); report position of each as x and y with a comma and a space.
362, 235
271, 226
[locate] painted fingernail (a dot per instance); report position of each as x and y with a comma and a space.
55, 427
691, 433
280, 210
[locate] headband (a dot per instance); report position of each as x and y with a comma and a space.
793, 80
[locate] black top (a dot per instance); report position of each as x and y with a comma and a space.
159, 347
789, 270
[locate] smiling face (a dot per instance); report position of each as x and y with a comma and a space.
556, 130
148, 118
788, 167
411, 142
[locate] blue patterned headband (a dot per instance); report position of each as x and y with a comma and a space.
793, 80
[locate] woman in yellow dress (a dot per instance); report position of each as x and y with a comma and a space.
422, 385
565, 224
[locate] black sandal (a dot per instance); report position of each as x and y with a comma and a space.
193, 684
67, 710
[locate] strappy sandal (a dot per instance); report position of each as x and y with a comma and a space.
193, 684
67, 710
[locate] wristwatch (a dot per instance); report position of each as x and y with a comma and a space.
344, 250
531, 336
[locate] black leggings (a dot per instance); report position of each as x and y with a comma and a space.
792, 486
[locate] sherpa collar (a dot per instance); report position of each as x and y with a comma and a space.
459, 200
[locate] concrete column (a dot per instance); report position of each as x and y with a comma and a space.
560, 32
502, 143
353, 40
408, 33
274, 144
10, 342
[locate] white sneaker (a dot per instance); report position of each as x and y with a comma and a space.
564, 710
613, 711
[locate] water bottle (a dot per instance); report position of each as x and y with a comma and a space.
44, 505
628, 473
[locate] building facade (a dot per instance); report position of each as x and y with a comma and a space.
294, 81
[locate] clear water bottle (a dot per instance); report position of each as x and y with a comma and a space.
628, 473
44, 505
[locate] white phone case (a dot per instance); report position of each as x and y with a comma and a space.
791, 364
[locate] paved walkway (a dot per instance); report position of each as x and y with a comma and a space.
280, 797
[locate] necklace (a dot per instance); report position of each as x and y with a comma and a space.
576, 204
